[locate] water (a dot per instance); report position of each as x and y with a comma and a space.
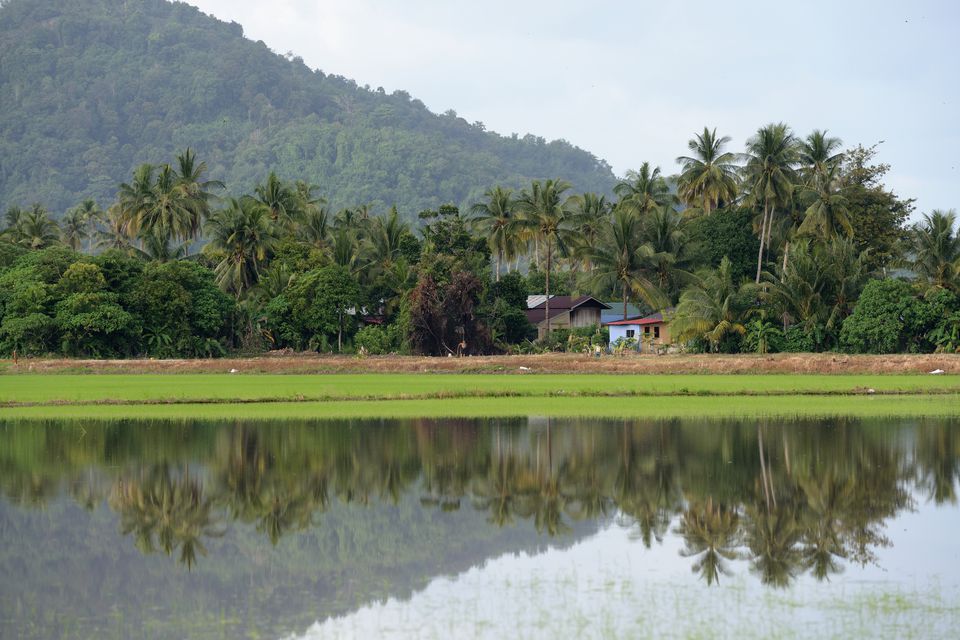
437, 528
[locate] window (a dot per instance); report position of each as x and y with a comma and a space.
656, 333
646, 330
631, 333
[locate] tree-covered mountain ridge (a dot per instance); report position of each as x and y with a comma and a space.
90, 89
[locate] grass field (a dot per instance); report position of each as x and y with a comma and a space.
148, 388
438, 395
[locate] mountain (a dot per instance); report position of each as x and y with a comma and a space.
91, 88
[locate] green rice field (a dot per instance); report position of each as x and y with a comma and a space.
457, 395
148, 388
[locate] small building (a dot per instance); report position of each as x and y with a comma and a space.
566, 312
651, 332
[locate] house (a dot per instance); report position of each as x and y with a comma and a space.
565, 312
651, 332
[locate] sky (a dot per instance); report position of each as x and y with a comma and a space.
633, 81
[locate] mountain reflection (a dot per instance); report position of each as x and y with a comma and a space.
782, 499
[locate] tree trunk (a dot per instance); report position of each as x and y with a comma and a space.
340, 331
786, 252
547, 287
499, 258
763, 230
769, 233
624, 300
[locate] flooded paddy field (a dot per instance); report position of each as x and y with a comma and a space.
531, 527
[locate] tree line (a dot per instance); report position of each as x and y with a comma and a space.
791, 245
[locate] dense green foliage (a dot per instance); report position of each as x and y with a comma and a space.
89, 89
280, 249
110, 305
294, 274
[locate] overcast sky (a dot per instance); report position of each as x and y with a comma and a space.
632, 81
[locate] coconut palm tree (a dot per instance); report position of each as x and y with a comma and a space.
73, 228
770, 172
280, 200
623, 261
819, 158
314, 228
496, 219
936, 247
644, 190
116, 232
159, 248
591, 215
383, 246
136, 197
170, 213
548, 215
344, 250
195, 189
708, 178
672, 258
826, 214
244, 233
713, 306
94, 216
35, 229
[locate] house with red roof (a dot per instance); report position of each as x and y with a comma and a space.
651, 332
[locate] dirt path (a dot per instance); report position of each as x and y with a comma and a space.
549, 363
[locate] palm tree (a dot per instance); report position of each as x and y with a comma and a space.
73, 228
195, 189
117, 230
169, 213
158, 248
314, 227
94, 216
671, 259
12, 218
280, 200
770, 175
385, 238
819, 287
35, 229
344, 249
713, 307
826, 215
243, 231
495, 218
591, 215
158, 202
644, 190
936, 247
548, 215
135, 198
708, 178
622, 261
819, 158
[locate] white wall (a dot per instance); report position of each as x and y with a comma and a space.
620, 331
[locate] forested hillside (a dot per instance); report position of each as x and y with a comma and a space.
89, 89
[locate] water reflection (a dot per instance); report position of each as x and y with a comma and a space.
781, 499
